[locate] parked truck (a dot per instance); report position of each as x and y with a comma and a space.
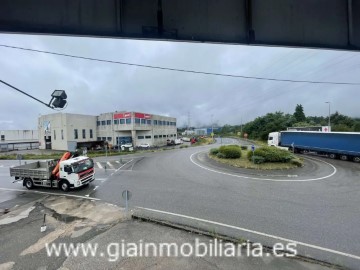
343, 145
68, 172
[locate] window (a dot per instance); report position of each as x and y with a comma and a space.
122, 121
160, 136
108, 122
155, 122
54, 135
109, 139
156, 136
143, 121
128, 121
84, 134
98, 138
148, 122
103, 123
75, 134
164, 136
104, 139
62, 134
91, 133
168, 123
140, 137
116, 122
3, 137
148, 137
137, 120
98, 123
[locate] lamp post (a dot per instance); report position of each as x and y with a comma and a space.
328, 102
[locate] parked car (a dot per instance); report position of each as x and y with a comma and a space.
127, 146
144, 145
170, 142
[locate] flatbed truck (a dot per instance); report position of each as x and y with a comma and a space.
64, 174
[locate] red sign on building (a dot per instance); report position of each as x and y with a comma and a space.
122, 115
142, 115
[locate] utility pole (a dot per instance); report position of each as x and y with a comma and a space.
329, 124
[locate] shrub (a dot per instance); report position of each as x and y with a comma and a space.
258, 160
220, 155
230, 151
214, 151
271, 154
244, 147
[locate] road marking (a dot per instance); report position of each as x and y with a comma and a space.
124, 165
99, 165
255, 232
96, 187
117, 161
49, 193
101, 179
267, 179
108, 163
105, 179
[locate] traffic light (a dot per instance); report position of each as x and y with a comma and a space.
58, 99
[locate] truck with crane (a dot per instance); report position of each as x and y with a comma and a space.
71, 171
342, 145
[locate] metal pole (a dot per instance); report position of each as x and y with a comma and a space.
329, 124
126, 201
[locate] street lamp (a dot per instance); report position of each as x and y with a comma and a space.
328, 102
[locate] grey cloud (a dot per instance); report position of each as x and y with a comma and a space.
95, 87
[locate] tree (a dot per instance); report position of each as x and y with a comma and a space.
299, 114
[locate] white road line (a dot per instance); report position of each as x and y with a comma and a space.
124, 165
99, 165
267, 179
49, 193
256, 232
100, 179
110, 165
105, 179
117, 161
96, 187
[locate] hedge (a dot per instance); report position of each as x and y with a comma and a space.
271, 154
230, 151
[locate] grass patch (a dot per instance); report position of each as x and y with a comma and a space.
244, 162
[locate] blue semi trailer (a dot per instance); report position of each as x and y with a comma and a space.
343, 145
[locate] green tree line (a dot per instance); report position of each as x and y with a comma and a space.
260, 127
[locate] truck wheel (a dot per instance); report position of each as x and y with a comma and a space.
332, 156
356, 159
343, 157
64, 185
28, 183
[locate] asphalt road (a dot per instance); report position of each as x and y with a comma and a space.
317, 205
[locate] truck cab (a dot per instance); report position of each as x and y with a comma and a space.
274, 139
77, 171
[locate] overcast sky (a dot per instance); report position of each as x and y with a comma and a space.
94, 87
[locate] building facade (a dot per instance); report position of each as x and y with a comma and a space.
65, 131
136, 128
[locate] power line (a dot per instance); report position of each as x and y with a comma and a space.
178, 70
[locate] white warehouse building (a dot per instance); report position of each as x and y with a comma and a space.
64, 131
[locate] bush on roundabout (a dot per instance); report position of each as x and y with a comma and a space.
271, 154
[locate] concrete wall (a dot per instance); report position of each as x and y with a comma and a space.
18, 135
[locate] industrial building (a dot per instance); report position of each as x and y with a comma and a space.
18, 139
64, 131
